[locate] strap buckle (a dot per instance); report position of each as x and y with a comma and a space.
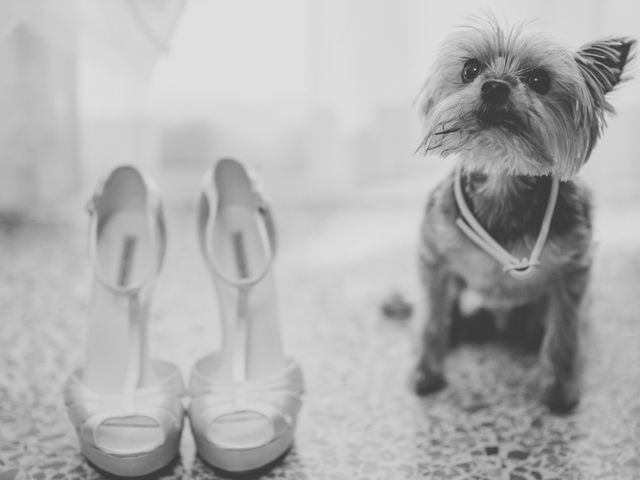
523, 269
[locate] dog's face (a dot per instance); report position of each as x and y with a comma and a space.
510, 102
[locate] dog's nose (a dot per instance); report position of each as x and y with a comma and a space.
495, 92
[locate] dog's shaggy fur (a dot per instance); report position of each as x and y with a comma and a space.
515, 109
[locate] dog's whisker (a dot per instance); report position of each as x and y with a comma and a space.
446, 132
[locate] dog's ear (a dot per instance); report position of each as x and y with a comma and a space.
602, 63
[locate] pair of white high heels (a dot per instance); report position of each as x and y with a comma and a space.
126, 408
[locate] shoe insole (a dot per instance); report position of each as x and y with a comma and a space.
129, 435
241, 430
238, 242
124, 257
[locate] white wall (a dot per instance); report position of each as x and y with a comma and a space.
319, 92
325, 87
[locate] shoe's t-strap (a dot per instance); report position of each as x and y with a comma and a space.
517, 268
134, 293
241, 337
207, 211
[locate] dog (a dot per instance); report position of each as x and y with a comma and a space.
522, 114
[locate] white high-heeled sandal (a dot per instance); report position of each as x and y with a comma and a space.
246, 397
125, 407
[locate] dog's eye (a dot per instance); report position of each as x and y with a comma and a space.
471, 70
539, 81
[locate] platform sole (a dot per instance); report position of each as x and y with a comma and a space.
132, 465
244, 460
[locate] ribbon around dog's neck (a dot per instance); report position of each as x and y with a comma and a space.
522, 268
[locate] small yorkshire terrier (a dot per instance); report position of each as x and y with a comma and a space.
522, 114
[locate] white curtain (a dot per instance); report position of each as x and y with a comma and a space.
321, 91
73, 92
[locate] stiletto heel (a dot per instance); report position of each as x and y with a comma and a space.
246, 397
126, 408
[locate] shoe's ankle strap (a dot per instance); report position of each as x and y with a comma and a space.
156, 227
136, 294
206, 218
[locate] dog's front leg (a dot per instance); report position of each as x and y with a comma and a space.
559, 360
442, 294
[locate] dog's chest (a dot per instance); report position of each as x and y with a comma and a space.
486, 277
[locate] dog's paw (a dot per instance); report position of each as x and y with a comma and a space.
560, 398
426, 381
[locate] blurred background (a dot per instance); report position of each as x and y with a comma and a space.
318, 95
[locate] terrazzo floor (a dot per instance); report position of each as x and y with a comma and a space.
360, 420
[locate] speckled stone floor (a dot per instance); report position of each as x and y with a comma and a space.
360, 420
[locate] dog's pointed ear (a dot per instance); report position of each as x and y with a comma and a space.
602, 63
